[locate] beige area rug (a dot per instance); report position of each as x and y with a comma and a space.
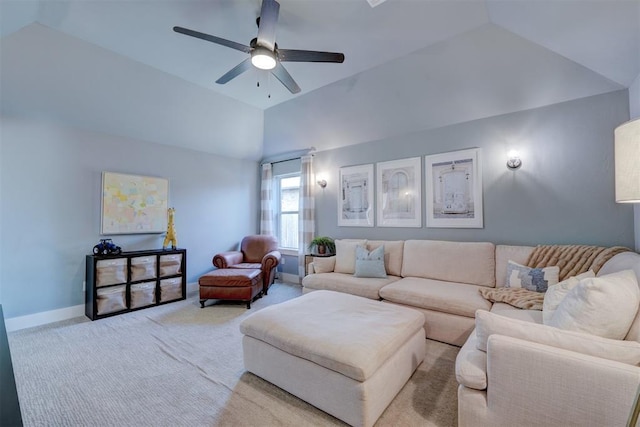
180, 365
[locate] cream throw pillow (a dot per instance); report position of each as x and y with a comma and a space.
488, 323
556, 293
603, 306
324, 264
346, 255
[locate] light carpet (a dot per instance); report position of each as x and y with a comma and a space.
180, 365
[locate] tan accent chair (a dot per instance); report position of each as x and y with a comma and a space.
256, 252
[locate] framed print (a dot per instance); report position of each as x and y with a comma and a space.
133, 204
454, 189
399, 191
355, 198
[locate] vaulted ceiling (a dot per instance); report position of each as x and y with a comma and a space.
117, 66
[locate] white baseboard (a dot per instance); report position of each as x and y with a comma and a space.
192, 289
37, 319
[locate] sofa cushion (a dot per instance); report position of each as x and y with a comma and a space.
442, 260
392, 254
504, 253
532, 279
367, 287
556, 293
533, 316
488, 323
370, 264
604, 306
448, 297
346, 255
324, 264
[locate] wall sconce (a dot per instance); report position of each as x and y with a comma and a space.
627, 162
322, 183
513, 161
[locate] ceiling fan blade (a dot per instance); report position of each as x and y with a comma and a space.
267, 26
235, 71
213, 39
285, 78
293, 55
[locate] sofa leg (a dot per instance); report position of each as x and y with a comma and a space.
202, 303
248, 305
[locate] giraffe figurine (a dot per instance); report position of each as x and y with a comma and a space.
171, 231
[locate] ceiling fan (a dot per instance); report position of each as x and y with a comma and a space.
264, 50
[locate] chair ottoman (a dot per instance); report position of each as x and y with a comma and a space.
347, 355
231, 284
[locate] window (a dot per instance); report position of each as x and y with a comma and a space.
288, 194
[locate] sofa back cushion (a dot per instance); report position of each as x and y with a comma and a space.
346, 255
506, 253
624, 261
463, 262
324, 264
392, 254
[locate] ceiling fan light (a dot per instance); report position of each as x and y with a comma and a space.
263, 58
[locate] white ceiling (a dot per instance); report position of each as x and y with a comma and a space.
57, 54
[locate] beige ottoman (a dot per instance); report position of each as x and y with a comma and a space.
347, 355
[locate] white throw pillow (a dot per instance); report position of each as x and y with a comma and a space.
603, 306
556, 293
346, 255
324, 264
533, 279
488, 323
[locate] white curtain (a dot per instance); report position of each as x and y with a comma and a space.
266, 200
306, 219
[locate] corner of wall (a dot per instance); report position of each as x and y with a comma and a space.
634, 112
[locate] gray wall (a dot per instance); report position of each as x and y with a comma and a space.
50, 183
562, 194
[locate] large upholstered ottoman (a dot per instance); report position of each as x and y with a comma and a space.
231, 284
344, 354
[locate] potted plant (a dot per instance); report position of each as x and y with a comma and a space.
323, 245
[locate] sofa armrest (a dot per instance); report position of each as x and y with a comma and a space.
471, 365
530, 383
271, 260
226, 259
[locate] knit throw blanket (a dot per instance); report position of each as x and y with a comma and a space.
516, 297
572, 259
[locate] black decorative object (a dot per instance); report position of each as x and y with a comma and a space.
106, 247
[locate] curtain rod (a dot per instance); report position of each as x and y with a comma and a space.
294, 156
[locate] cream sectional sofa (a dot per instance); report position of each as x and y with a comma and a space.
531, 374
512, 369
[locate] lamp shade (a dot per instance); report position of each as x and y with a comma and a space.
627, 162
